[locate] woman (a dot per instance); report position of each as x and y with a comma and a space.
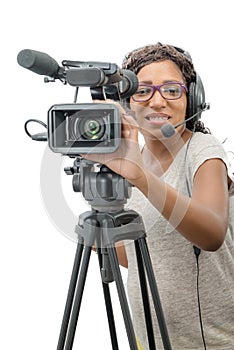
182, 190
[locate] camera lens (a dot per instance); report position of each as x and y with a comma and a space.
93, 129
87, 125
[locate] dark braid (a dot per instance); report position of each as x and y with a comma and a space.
137, 59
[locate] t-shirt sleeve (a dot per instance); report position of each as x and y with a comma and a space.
202, 148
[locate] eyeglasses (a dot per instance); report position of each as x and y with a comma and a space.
169, 91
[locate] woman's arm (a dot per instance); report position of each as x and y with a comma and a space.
203, 218
121, 253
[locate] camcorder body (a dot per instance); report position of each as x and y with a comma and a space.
79, 128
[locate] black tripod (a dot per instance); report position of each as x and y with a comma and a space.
107, 223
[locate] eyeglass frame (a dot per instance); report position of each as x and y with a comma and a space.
157, 88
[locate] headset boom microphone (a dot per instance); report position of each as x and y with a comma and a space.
168, 130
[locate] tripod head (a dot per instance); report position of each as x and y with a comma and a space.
102, 188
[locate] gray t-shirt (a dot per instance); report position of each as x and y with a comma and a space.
175, 267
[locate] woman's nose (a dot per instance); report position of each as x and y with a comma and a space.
157, 101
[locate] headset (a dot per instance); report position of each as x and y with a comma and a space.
196, 95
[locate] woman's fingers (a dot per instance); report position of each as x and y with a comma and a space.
129, 127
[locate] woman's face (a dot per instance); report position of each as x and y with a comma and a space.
152, 114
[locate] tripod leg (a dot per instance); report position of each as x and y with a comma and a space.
77, 298
122, 296
145, 297
154, 292
70, 297
109, 309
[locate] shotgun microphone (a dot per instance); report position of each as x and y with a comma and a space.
168, 129
39, 62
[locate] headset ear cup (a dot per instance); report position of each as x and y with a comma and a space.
195, 101
191, 100
200, 96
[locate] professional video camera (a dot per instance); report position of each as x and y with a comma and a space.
76, 128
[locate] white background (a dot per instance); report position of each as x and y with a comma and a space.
36, 258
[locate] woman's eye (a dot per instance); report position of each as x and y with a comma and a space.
173, 90
143, 91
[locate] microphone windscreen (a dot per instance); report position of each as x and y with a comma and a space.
168, 130
38, 62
